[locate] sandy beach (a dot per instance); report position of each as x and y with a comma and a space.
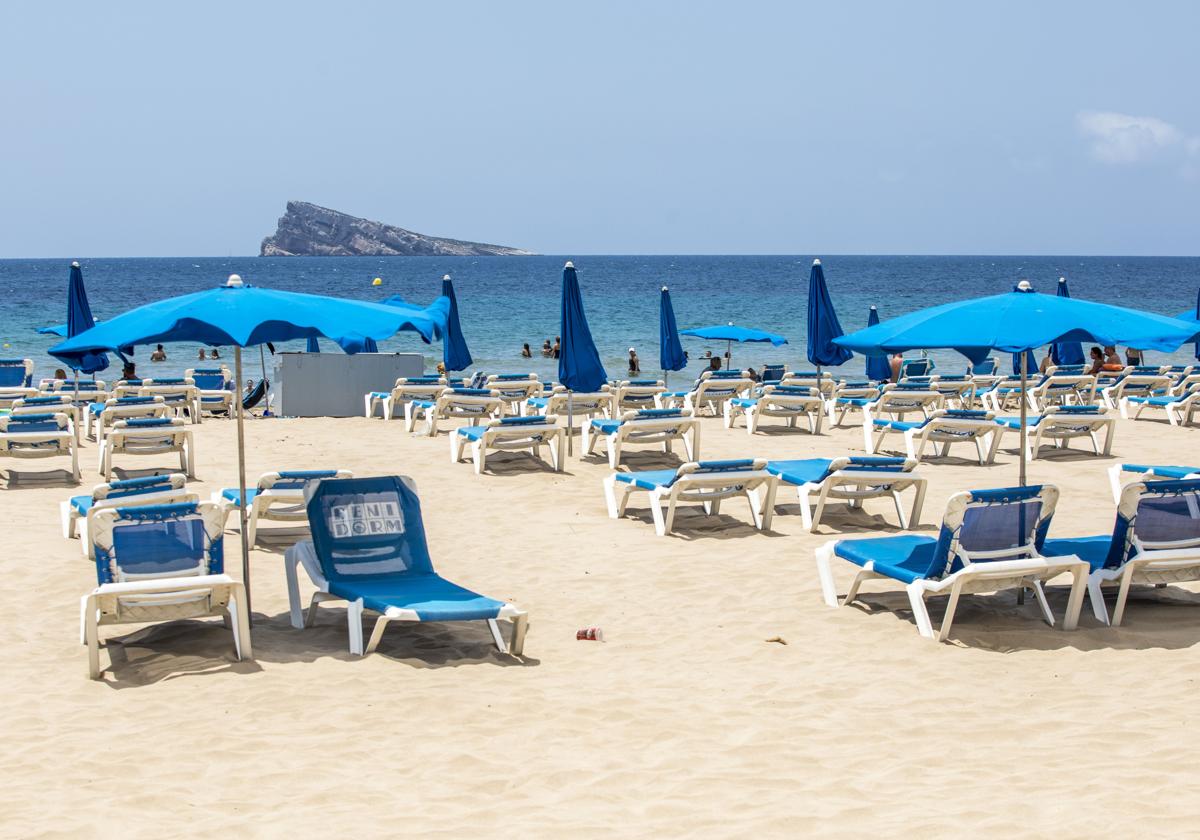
687, 721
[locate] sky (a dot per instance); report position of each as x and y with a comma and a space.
164, 129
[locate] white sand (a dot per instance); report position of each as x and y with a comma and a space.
686, 722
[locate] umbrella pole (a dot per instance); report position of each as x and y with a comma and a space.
728, 355
822, 396
75, 409
570, 423
241, 438
1024, 415
262, 360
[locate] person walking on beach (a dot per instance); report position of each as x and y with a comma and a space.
634, 365
159, 354
526, 353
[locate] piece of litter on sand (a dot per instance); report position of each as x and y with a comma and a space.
779, 640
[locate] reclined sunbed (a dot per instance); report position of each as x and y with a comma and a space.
406, 388
943, 427
650, 426
852, 479
787, 401
146, 490
48, 435
510, 434
1060, 424
1147, 472
148, 436
470, 404
276, 497
102, 416
1179, 408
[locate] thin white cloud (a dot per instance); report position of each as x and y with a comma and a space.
1123, 138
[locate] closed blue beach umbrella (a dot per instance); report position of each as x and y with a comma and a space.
1031, 363
455, 354
1066, 352
878, 367
579, 366
312, 346
79, 319
823, 326
670, 350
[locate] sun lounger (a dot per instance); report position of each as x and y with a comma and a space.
161, 563
148, 436
514, 389
581, 406
709, 392
89, 390
944, 427
470, 404
852, 479
214, 389
957, 390
990, 541
705, 482
1156, 541
773, 374
823, 381
1059, 425
1183, 378
1179, 408
16, 380
147, 490
369, 550
276, 497
102, 416
48, 435
851, 396
916, 367
636, 394
1141, 381
1062, 387
1147, 472
510, 434
47, 404
786, 401
895, 402
406, 388
1004, 394
180, 395
649, 426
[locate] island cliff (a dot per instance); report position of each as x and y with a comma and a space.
308, 230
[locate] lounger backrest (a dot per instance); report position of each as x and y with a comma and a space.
16, 373
642, 383
1077, 410
773, 373
529, 420
297, 479
27, 405
871, 463
473, 392
723, 374
791, 391
367, 527
132, 487
1002, 524
985, 368
209, 379
1155, 515
24, 423
916, 367
711, 468
963, 414
654, 414
158, 541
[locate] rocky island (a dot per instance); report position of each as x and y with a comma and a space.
312, 231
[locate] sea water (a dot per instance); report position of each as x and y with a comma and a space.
505, 302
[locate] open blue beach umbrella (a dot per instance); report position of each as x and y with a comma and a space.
879, 368
79, 319
1066, 352
1018, 321
730, 333
1193, 315
243, 316
823, 326
670, 350
455, 354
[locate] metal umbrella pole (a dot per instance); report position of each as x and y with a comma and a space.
241, 437
570, 423
822, 396
1024, 414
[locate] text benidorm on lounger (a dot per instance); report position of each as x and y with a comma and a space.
366, 518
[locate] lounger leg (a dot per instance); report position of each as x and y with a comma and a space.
662, 522
916, 598
91, 631
1039, 592
520, 625
824, 555
376, 634
68, 521
948, 621
610, 496
556, 452
728, 415
768, 508
496, 636
815, 520
1079, 578
614, 451
918, 504
693, 451
310, 617
479, 455
806, 519
868, 443
1122, 598
899, 503
1108, 438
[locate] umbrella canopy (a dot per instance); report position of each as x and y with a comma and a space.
670, 351
79, 319
243, 316
455, 354
579, 366
59, 330
823, 326
1193, 315
1016, 321
1066, 352
878, 367
729, 332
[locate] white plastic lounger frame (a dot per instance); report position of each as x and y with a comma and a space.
710, 392
89, 390
470, 404
960, 570
1060, 424
214, 389
850, 396
785, 401
510, 434
161, 588
957, 391
101, 416
1057, 388
636, 394
149, 490
148, 436
650, 426
1179, 408
1148, 472
1136, 384
853, 479
823, 381
49, 404
582, 405
705, 482
48, 435
276, 497
943, 427
514, 389
895, 402
305, 553
180, 395
405, 389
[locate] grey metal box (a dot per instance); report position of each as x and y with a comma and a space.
334, 384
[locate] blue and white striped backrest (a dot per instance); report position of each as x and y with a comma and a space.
158, 541
297, 479
653, 414
133, 487
791, 391
16, 373
29, 405
1007, 523
716, 468
1155, 515
872, 463
367, 527
964, 414
24, 423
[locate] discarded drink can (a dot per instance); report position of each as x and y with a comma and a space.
590, 634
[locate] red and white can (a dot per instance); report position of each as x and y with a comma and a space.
590, 634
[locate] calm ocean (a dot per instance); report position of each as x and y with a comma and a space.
506, 301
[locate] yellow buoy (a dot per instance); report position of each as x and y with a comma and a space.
378, 281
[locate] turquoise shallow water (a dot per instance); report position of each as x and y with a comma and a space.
505, 301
